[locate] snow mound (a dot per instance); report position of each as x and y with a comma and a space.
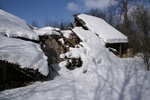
47, 31
13, 26
91, 50
103, 29
24, 53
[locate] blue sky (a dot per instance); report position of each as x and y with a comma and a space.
40, 10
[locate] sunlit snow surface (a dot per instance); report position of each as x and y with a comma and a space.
103, 76
13, 26
24, 53
47, 31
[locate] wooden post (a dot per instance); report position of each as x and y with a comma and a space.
120, 50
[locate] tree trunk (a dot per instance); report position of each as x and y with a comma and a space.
147, 63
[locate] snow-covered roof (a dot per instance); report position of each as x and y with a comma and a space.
13, 26
47, 31
24, 53
105, 31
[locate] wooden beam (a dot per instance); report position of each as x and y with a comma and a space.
78, 20
61, 34
24, 72
54, 70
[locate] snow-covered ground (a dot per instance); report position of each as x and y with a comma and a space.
126, 82
103, 76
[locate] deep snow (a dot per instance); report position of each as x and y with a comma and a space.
103, 76
103, 82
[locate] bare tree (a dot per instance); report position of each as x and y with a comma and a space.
124, 22
62, 24
65, 24
35, 23
52, 23
112, 16
123, 7
97, 13
141, 18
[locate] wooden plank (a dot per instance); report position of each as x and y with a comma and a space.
61, 34
83, 24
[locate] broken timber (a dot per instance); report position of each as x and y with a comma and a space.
80, 22
61, 34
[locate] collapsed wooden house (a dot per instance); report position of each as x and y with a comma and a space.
21, 57
112, 38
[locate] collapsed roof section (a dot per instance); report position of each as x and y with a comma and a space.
55, 42
26, 54
105, 31
47, 31
12, 26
